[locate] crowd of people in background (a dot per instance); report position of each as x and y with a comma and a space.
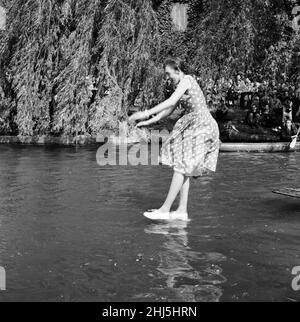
274, 105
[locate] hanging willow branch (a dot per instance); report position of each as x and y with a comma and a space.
79, 66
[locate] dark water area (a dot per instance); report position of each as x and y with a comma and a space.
72, 230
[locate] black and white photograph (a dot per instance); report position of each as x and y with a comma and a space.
149, 153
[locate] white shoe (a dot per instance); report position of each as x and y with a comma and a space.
179, 216
157, 215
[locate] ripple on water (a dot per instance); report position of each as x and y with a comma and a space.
184, 282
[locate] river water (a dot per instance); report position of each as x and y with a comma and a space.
72, 230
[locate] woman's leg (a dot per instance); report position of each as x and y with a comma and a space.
176, 184
184, 195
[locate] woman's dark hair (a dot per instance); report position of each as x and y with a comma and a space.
177, 64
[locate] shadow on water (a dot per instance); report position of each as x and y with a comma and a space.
183, 280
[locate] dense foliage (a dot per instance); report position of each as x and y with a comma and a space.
78, 66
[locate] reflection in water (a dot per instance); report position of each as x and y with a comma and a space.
187, 283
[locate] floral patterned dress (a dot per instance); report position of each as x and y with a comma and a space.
193, 146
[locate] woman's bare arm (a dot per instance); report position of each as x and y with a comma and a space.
184, 85
161, 115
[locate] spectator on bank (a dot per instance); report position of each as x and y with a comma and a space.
269, 97
289, 129
255, 101
253, 116
231, 96
168, 89
296, 110
222, 111
210, 105
287, 110
276, 108
264, 99
296, 105
240, 84
267, 119
275, 102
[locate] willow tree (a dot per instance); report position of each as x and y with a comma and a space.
281, 57
76, 66
127, 47
7, 103
73, 81
222, 37
225, 37
47, 55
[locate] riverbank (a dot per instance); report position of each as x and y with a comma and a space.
62, 140
43, 139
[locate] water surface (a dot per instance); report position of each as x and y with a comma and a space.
71, 230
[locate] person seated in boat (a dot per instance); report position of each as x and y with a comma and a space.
289, 129
253, 116
266, 117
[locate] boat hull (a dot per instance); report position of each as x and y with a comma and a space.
258, 147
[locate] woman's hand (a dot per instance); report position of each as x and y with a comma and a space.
137, 116
143, 123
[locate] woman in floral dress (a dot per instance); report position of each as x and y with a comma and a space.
193, 146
